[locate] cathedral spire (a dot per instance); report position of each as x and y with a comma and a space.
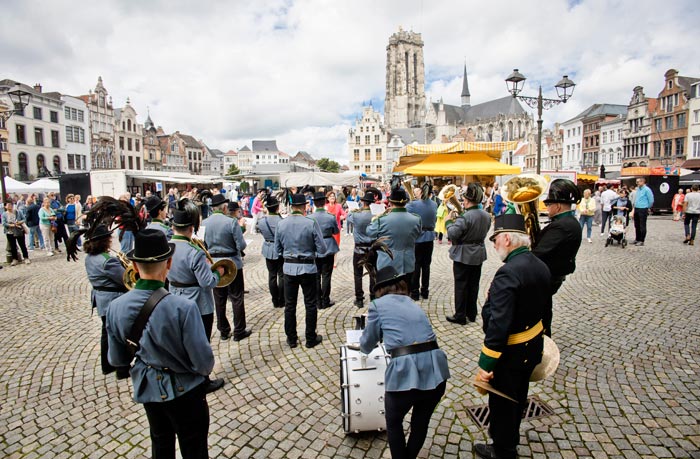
465, 89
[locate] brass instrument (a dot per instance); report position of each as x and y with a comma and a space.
230, 269
524, 191
450, 195
408, 184
130, 274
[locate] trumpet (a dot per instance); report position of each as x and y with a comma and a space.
130, 274
230, 269
449, 194
524, 191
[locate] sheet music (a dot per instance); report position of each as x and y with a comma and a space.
377, 209
352, 205
352, 336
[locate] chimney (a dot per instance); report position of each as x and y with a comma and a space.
37, 87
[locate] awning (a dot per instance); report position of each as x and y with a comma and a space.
45, 185
691, 164
455, 164
645, 171
492, 149
588, 177
15, 186
300, 179
692, 179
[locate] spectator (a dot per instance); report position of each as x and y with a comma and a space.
622, 206
677, 205
32, 218
586, 210
691, 208
598, 208
47, 217
643, 202
13, 222
606, 199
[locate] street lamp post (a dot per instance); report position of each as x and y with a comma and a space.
20, 99
565, 89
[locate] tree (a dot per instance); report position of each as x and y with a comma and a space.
327, 165
233, 170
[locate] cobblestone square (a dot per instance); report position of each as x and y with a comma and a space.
628, 384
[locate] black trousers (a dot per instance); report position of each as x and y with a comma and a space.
208, 320
420, 282
291, 292
357, 274
234, 291
554, 285
186, 417
466, 289
606, 216
324, 266
397, 405
506, 415
12, 242
275, 281
61, 234
640, 224
104, 349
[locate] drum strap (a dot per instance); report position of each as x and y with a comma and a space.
414, 349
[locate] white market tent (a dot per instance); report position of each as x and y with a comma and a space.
15, 186
44, 185
300, 179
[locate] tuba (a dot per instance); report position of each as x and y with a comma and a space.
408, 184
450, 195
130, 275
524, 191
230, 269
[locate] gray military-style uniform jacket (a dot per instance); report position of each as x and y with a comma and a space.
329, 227
467, 234
361, 219
299, 241
161, 226
427, 211
224, 238
402, 228
267, 226
191, 276
105, 274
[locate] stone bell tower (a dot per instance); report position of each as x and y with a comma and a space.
404, 105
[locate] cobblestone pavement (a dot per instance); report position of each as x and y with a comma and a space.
628, 384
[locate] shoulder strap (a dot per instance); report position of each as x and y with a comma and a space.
268, 227
136, 332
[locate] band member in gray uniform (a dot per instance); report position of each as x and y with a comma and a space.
158, 209
417, 373
224, 239
426, 209
191, 276
173, 357
468, 253
360, 219
401, 228
298, 241
324, 261
267, 226
106, 275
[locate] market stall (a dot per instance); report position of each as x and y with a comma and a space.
327, 179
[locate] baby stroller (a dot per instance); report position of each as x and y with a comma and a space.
617, 231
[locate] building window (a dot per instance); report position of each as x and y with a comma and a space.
37, 113
368, 168
128, 125
605, 137
379, 167
696, 146
657, 123
669, 123
357, 167
138, 163
56, 165
128, 144
39, 137
69, 134
21, 133
378, 154
657, 149
376, 139
71, 162
131, 162
681, 120
368, 156
696, 116
357, 139
356, 154
367, 140
668, 147
138, 144
23, 166
41, 165
54, 138
680, 146
54, 116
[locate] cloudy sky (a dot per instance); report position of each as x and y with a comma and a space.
229, 72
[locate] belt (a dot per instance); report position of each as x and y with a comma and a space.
269, 241
181, 285
467, 242
111, 289
427, 229
224, 254
527, 335
303, 261
414, 349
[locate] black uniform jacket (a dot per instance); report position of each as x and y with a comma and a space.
517, 299
558, 244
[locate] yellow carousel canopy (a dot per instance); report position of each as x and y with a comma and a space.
492, 149
453, 164
588, 177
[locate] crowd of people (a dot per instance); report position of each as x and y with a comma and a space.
301, 232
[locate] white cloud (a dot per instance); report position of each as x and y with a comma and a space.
230, 72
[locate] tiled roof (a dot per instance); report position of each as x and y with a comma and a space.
190, 141
265, 145
466, 115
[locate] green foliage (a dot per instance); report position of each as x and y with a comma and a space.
327, 165
233, 170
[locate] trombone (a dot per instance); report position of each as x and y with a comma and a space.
230, 269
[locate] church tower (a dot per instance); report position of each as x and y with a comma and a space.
465, 90
404, 105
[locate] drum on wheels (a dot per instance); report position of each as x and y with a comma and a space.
362, 389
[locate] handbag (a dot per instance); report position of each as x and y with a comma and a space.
25, 228
54, 227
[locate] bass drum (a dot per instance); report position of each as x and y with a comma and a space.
362, 389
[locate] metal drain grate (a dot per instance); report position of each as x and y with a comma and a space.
536, 408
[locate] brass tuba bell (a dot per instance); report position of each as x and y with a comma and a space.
408, 184
524, 191
450, 195
230, 268
130, 274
